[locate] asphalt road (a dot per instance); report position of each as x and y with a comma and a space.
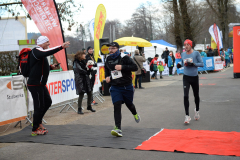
160, 105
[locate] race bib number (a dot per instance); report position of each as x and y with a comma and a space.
116, 74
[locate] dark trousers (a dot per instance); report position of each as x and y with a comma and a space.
160, 74
80, 98
154, 74
41, 101
92, 80
170, 70
118, 114
139, 80
194, 82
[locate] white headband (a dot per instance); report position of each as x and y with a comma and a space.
42, 39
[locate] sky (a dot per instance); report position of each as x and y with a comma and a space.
121, 10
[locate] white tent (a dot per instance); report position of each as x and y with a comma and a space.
150, 51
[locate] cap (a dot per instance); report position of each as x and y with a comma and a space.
188, 41
113, 44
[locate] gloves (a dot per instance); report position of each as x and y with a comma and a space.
189, 64
179, 65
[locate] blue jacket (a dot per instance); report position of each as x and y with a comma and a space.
170, 61
226, 55
203, 54
229, 50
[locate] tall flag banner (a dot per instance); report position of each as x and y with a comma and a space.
99, 23
91, 27
216, 35
45, 16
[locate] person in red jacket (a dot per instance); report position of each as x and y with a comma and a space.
153, 66
178, 55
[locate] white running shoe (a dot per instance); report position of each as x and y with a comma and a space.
197, 116
187, 119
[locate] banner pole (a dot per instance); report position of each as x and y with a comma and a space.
62, 32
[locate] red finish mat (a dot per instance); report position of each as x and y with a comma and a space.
194, 141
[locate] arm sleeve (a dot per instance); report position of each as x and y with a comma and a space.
199, 61
143, 59
79, 69
107, 72
131, 66
39, 53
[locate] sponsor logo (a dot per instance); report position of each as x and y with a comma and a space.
99, 25
15, 85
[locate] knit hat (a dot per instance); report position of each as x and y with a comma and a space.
42, 39
89, 48
188, 41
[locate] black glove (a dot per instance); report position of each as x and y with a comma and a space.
189, 64
179, 65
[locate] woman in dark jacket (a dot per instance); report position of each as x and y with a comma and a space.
82, 80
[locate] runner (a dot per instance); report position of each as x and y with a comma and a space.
191, 60
118, 72
37, 81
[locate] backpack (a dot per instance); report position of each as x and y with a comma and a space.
24, 62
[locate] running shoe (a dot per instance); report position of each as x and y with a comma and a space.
137, 118
197, 116
187, 119
39, 131
43, 128
116, 132
94, 103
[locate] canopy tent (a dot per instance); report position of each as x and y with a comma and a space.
164, 43
133, 41
150, 51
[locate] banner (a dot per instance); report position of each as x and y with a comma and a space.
91, 27
99, 23
13, 103
215, 33
207, 61
218, 63
61, 86
45, 16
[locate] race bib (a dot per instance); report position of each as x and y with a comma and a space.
116, 74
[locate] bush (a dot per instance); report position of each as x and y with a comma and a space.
8, 62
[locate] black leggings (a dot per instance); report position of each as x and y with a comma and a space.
118, 114
41, 102
194, 82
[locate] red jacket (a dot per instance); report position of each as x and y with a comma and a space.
178, 55
154, 59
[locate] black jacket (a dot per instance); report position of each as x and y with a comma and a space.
128, 66
165, 54
81, 74
39, 65
91, 57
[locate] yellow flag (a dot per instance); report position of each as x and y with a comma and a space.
213, 44
99, 23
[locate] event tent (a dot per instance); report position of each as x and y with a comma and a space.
164, 43
150, 51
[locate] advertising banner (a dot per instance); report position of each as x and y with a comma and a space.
236, 47
44, 15
218, 63
99, 23
13, 103
91, 27
216, 35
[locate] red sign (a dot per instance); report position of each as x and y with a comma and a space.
215, 30
44, 15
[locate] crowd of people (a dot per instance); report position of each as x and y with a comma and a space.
118, 73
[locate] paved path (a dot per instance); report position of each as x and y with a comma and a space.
160, 106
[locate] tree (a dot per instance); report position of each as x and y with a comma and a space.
67, 9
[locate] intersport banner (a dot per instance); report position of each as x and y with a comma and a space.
13, 103
99, 23
44, 15
216, 35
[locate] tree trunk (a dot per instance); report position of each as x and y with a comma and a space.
177, 31
187, 31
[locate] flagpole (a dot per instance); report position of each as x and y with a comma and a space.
62, 32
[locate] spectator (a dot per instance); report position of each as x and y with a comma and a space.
165, 55
171, 61
84, 50
139, 61
178, 55
216, 52
226, 58
89, 57
153, 66
203, 54
160, 69
37, 81
210, 53
125, 52
82, 80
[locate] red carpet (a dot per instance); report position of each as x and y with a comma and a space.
194, 141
